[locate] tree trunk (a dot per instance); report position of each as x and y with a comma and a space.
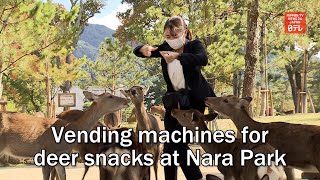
35, 105
48, 91
252, 49
297, 74
284, 98
263, 63
236, 83
294, 89
67, 87
304, 86
1, 84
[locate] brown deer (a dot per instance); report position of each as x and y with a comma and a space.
82, 148
193, 118
38, 114
145, 121
112, 120
158, 110
123, 172
23, 135
300, 143
70, 115
132, 118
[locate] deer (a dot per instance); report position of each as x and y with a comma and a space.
82, 148
112, 120
300, 143
39, 114
123, 172
23, 135
193, 118
70, 115
145, 121
132, 118
158, 110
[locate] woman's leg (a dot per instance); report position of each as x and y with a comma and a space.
191, 171
170, 172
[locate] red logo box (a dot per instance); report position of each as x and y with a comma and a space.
295, 22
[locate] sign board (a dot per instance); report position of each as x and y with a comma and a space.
67, 100
97, 90
295, 22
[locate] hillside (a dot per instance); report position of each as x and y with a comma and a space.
91, 39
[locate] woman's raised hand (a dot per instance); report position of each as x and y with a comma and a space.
147, 49
169, 56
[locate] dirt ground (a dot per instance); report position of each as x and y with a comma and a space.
74, 173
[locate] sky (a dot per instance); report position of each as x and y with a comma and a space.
108, 14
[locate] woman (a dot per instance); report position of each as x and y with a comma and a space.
181, 61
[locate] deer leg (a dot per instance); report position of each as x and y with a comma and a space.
265, 177
156, 160
2, 143
61, 172
147, 175
53, 175
46, 172
86, 168
289, 173
104, 174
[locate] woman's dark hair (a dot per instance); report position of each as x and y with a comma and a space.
177, 22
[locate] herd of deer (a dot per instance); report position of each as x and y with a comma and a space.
23, 135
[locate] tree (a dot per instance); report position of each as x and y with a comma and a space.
47, 68
116, 68
20, 22
252, 48
284, 45
87, 9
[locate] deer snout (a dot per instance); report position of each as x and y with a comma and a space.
133, 92
173, 112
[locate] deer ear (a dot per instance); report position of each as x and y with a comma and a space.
210, 117
247, 98
125, 93
195, 117
244, 102
145, 90
90, 96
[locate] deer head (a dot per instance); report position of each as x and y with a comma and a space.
107, 101
192, 118
136, 93
228, 104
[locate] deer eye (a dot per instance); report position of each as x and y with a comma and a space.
225, 100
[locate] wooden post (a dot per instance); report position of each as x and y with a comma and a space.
304, 106
258, 97
271, 103
3, 104
311, 102
299, 101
